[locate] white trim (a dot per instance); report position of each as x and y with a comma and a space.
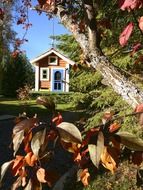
54, 63
67, 78
51, 83
36, 77
50, 52
41, 74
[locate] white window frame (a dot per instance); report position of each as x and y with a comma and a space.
41, 74
52, 56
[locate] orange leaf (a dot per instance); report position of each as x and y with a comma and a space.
114, 127
108, 158
85, 177
30, 159
17, 165
41, 175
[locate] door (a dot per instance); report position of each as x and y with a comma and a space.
57, 85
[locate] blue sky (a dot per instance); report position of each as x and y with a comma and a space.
38, 34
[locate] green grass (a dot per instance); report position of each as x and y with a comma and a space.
14, 107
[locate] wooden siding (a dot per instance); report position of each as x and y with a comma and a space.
45, 84
44, 63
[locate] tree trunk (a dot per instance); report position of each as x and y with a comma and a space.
120, 84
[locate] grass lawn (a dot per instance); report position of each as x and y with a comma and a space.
14, 107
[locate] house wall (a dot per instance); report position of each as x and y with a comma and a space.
46, 84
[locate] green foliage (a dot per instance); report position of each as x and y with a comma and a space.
123, 179
67, 44
17, 73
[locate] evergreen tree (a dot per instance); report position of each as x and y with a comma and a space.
17, 73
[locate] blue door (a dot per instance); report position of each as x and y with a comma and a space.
57, 80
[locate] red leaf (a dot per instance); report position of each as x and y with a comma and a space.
141, 23
57, 119
130, 4
124, 36
135, 48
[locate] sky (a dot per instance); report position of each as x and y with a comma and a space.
38, 34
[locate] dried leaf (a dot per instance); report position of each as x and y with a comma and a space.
4, 168
47, 102
16, 184
124, 36
17, 164
41, 175
85, 177
25, 125
28, 186
131, 141
37, 141
69, 132
108, 159
17, 140
95, 151
30, 159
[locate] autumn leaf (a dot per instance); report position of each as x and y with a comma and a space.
47, 102
130, 4
37, 141
139, 108
17, 140
95, 151
109, 158
17, 164
25, 125
114, 127
28, 186
41, 175
141, 23
131, 141
16, 184
69, 132
57, 119
27, 141
124, 36
30, 159
4, 168
85, 177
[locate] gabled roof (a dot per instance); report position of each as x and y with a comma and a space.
52, 50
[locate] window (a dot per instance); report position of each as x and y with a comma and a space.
52, 60
44, 73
